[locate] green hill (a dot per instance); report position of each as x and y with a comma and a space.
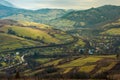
64, 19
87, 18
11, 42
76, 67
112, 32
112, 28
18, 34
41, 15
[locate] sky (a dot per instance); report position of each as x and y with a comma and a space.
62, 4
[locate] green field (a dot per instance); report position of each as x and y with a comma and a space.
87, 64
80, 62
22, 34
9, 42
34, 34
113, 31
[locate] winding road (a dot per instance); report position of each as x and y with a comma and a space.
75, 39
22, 57
17, 64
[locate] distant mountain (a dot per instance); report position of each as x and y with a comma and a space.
93, 17
6, 3
64, 19
8, 11
41, 15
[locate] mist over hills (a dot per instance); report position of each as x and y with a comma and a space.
40, 15
6, 3
64, 19
67, 20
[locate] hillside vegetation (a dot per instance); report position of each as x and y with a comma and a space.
20, 34
76, 67
33, 34
113, 31
9, 42
112, 28
40, 16
93, 17
64, 19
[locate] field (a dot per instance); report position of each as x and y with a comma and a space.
34, 34
113, 31
9, 42
89, 66
21, 34
59, 43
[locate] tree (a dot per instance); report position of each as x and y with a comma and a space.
10, 31
117, 56
17, 76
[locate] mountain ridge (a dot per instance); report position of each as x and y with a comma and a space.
64, 19
6, 3
87, 18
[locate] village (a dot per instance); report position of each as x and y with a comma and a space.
9, 59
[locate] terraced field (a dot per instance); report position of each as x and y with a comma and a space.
79, 62
113, 31
92, 65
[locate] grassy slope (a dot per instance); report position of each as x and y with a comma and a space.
63, 24
113, 31
84, 64
33, 33
112, 28
88, 64
12, 42
80, 62
26, 23
38, 31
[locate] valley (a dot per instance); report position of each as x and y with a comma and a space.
63, 44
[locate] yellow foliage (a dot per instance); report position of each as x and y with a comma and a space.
3, 64
34, 34
80, 62
12, 42
26, 23
66, 70
113, 31
55, 62
87, 69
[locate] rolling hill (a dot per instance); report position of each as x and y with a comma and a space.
64, 19
90, 67
40, 15
6, 3
11, 42
52, 53
18, 34
112, 28
91, 18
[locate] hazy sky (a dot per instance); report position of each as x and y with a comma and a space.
64, 4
